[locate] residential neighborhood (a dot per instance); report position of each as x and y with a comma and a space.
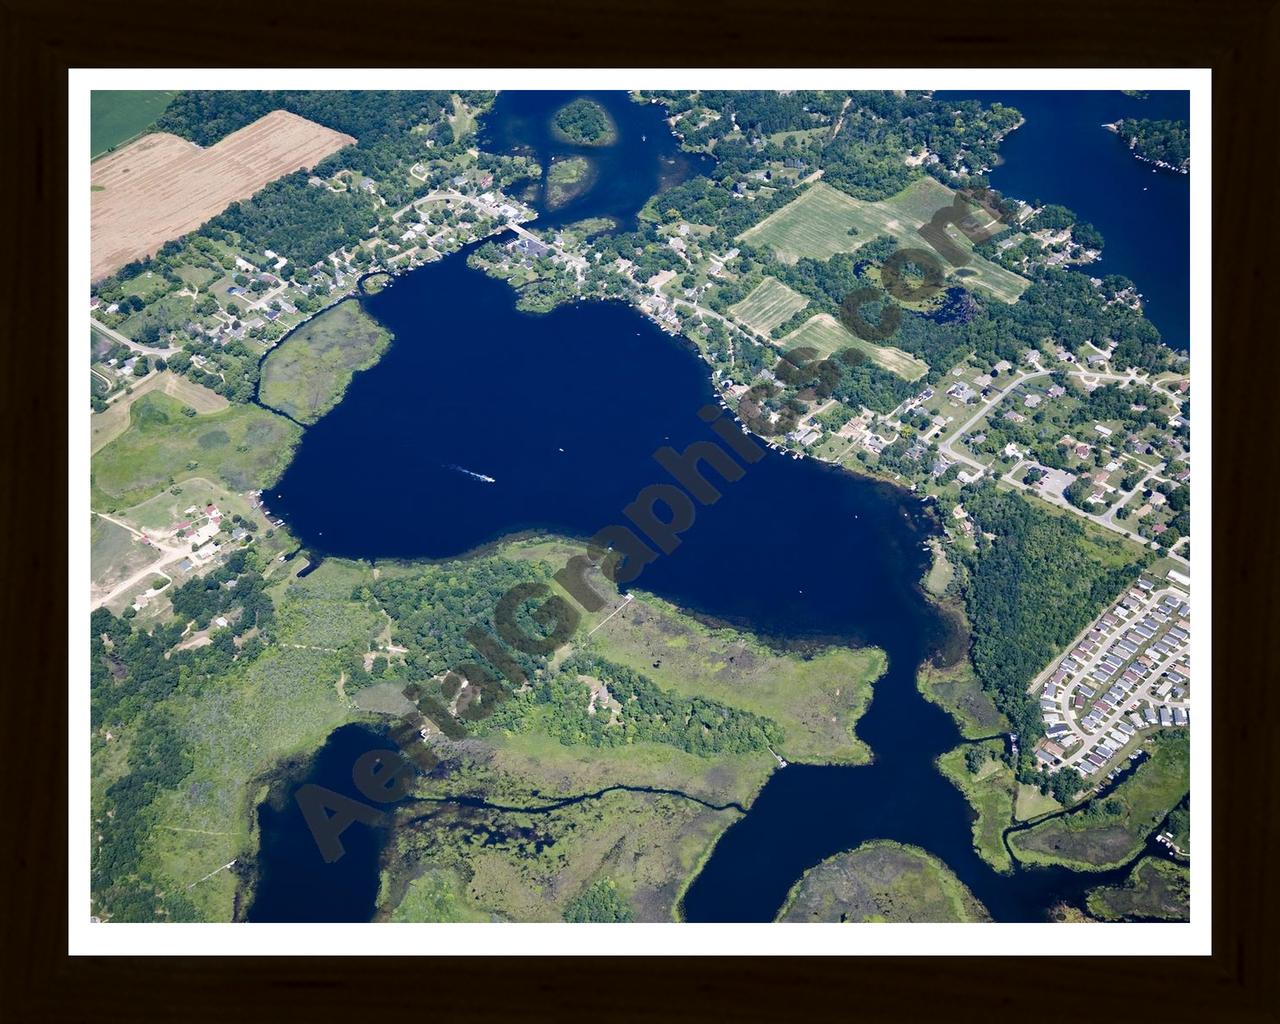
1129, 673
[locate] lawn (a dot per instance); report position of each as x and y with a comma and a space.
118, 115
881, 881
1093, 838
990, 792
817, 224
243, 445
1031, 803
770, 303
827, 335
307, 373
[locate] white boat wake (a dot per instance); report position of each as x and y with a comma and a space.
474, 476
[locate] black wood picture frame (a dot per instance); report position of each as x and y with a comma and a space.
1238, 39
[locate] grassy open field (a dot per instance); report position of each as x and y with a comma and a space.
990, 792
816, 700
881, 881
118, 115
817, 223
827, 335
161, 186
1155, 889
114, 553
105, 427
1031, 803
1093, 839
306, 374
770, 303
243, 445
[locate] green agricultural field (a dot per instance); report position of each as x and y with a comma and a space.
814, 224
306, 374
881, 881
243, 445
990, 792
118, 115
817, 224
1106, 833
1155, 889
770, 303
827, 335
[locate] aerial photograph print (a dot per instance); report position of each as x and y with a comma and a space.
620, 504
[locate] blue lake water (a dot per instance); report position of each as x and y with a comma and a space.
481, 421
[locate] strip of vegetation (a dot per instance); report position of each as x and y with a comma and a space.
957, 691
596, 702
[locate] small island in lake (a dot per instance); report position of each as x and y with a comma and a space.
1166, 144
584, 122
567, 178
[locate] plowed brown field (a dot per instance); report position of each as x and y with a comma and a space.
161, 186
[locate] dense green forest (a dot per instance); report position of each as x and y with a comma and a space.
293, 217
1030, 590
1166, 142
584, 123
370, 115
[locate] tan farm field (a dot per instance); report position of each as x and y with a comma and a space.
161, 187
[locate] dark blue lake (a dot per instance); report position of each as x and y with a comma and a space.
1063, 155
481, 421
294, 882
